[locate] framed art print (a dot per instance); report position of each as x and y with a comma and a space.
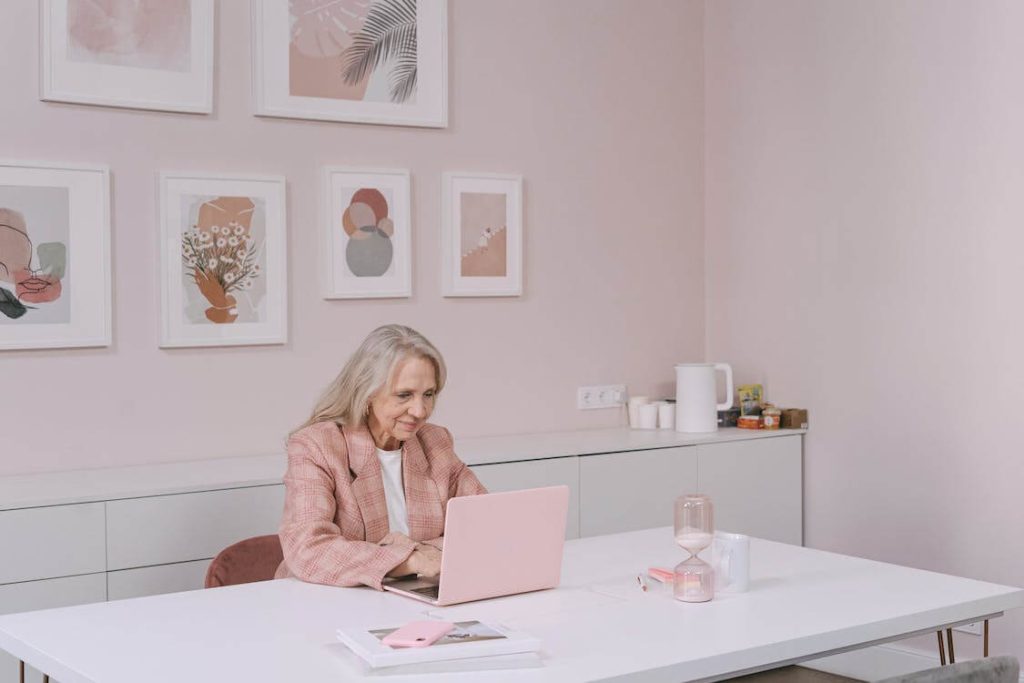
141, 54
482, 235
367, 234
362, 61
54, 256
222, 258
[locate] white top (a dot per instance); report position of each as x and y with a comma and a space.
802, 603
394, 492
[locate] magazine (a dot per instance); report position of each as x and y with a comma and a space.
468, 639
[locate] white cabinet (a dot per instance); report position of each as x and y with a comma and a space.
165, 578
512, 476
633, 490
190, 526
46, 542
756, 486
33, 595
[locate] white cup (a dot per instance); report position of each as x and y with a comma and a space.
634, 409
666, 415
648, 416
730, 557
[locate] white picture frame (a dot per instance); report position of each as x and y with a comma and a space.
55, 264
471, 238
228, 302
367, 257
293, 72
85, 61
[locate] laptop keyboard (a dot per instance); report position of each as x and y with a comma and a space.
426, 591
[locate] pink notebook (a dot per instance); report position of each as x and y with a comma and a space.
496, 544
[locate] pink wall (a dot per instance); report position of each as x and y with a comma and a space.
863, 226
607, 132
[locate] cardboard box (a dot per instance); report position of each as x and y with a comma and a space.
794, 418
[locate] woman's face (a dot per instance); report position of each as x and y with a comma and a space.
403, 406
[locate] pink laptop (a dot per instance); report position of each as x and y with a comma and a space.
496, 544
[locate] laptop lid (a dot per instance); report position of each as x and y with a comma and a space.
502, 543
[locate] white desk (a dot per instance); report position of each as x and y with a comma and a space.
802, 604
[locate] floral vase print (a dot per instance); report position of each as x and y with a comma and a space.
369, 252
222, 253
32, 277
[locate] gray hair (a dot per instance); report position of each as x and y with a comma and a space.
368, 371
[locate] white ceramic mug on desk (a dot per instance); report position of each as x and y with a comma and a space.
730, 557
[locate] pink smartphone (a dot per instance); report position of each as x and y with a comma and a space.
417, 633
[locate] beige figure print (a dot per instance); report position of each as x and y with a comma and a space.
483, 234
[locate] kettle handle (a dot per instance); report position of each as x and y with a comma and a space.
727, 369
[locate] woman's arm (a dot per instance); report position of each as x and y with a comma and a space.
314, 548
461, 482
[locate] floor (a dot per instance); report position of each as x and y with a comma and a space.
794, 674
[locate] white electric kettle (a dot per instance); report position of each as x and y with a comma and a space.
697, 403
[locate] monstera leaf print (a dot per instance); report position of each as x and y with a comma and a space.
388, 35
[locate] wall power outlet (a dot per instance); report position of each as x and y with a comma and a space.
604, 396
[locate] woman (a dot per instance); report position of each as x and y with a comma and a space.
368, 479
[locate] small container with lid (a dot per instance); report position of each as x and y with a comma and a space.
749, 422
771, 418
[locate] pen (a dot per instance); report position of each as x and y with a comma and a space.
660, 574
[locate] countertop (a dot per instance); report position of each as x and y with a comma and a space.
113, 483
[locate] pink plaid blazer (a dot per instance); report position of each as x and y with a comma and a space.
335, 525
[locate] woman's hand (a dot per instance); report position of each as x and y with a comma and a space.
428, 560
425, 560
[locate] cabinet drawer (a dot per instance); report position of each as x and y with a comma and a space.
633, 490
33, 595
190, 526
756, 486
513, 476
165, 578
47, 542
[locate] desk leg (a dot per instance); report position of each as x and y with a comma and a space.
21, 673
942, 648
949, 637
986, 638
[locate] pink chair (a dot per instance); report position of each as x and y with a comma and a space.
254, 559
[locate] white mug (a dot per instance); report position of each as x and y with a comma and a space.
666, 415
647, 416
634, 409
730, 557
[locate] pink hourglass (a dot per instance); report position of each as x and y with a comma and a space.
695, 529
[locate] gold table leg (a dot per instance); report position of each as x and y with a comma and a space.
949, 637
986, 638
21, 671
942, 648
